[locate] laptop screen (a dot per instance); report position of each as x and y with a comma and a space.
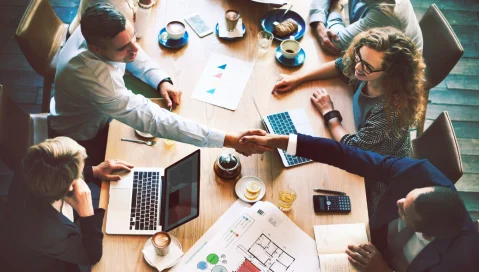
181, 192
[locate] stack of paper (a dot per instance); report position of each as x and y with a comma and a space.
252, 238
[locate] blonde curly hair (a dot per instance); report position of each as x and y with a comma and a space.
404, 79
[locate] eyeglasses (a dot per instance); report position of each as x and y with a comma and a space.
367, 68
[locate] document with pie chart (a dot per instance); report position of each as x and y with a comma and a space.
223, 81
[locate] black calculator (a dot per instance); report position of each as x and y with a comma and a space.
331, 204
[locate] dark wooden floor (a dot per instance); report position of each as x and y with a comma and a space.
458, 93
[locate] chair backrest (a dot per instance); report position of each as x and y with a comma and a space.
439, 145
18, 130
442, 49
40, 35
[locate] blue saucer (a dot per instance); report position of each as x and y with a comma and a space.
297, 61
275, 14
174, 44
226, 38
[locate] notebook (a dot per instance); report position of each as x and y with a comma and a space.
332, 242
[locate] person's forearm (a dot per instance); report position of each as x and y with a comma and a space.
278, 141
336, 128
324, 71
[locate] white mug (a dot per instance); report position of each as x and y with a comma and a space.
290, 48
174, 31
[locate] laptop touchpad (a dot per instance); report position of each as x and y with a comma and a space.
119, 200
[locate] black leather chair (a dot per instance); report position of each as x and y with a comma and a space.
442, 49
40, 36
18, 130
439, 145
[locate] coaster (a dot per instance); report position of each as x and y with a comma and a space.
297, 61
170, 43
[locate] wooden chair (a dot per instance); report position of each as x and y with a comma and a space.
18, 130
442, 50
40, 36
439, 145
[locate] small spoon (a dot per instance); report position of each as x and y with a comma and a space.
148, 143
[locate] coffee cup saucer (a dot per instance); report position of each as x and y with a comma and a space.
228, 38
151, 262
297, 61
170, 43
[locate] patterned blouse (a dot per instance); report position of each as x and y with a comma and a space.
374, 134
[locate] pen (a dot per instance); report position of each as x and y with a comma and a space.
329, 192
171, 107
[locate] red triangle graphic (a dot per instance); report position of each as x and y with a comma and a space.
218, 75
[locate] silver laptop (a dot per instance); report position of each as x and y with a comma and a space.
285, 123
148, 200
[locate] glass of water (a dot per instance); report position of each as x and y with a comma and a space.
265, 39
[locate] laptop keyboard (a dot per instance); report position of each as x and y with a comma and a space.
283, 125
145, 200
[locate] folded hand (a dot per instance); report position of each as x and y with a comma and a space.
104, 170
285, 83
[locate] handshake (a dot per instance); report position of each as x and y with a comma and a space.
255, 141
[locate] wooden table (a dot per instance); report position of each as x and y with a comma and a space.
123, 253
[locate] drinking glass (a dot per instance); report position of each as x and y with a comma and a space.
286, 198
265, 39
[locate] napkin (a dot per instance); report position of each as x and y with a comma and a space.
238, 32
161, 262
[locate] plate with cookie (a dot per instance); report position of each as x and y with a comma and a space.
291, 25
250, 189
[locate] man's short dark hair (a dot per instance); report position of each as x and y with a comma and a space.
441, 212
101, 22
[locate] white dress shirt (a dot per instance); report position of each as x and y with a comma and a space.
414, 245
90, 91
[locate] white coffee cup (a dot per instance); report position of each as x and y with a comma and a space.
174, 31
290, 48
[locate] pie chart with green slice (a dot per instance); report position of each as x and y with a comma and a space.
212, 258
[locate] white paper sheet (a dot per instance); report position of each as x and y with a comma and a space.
260, 238
223, 81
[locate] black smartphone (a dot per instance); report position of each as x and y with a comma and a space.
331, 204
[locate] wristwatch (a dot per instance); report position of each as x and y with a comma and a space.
332, 114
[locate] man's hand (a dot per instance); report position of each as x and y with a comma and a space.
104, 170
170, 93
324, 37
285, 83
81, 199
233, 141
270, 140
322, 101
366, 257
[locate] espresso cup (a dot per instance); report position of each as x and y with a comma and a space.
231, 16
175, 30
290, 48
161, 242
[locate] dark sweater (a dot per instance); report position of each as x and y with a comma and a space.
39, 238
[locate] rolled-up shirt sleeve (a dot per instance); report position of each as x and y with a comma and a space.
144, 68
319, 11
112, 98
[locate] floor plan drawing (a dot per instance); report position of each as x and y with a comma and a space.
267, 255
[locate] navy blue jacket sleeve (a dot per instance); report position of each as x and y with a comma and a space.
352, 159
